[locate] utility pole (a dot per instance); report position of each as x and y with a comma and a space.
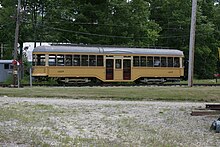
192, 43
15, 67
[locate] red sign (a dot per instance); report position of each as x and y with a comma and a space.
14, 62
216, 75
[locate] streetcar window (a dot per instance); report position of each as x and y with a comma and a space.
40, 60
99, 60
76, 60
84, 60
143, 61
170, 61
60, 60
156, 61
136, 61
163, 61
118, 63
68, 60
92, 60
150, 61
34, 60
52, 60
176, 62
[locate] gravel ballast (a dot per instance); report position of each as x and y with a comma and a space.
68, 122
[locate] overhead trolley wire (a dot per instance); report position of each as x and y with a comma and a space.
113, 36
109, 36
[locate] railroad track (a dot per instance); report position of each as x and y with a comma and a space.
106, 85
210, 109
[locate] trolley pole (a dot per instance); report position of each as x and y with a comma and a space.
15, 67
192, 43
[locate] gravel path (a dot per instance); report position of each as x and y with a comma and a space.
117, 123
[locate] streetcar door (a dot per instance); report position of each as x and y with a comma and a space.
126, 69
109, 69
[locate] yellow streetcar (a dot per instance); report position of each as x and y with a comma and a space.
84, 64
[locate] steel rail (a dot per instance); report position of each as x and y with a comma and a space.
109, 85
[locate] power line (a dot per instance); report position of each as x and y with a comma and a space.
113, 36
93, 34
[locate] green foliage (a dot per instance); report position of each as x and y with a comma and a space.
117, 22
7, 26
174, 17
88, 22
9, 80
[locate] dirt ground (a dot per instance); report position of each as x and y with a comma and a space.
68, 122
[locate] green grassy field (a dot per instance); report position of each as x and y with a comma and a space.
207, 94
205, 81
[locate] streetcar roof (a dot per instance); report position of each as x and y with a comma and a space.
106, 50
5, 61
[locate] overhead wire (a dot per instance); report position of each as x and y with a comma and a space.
113, 36
104, 35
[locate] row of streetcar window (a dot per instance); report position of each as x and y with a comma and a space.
68, 60
38, 60
97, 60
150, 61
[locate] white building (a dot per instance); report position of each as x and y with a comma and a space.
29, 46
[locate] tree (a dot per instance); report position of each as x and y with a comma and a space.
104, 22
174, 18
7, 26
206, 49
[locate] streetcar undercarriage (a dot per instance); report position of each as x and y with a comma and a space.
94, 80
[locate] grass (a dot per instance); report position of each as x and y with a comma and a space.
203, 81
207, 94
